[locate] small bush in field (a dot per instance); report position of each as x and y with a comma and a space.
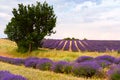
5, 75
117, 60
106, 57
68, 68
86, 69
16, 61
58, 67
103, 63
31, 62
44, 64
114, 73
83, 58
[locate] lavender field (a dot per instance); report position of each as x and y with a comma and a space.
82, 45
83, 66
67, 62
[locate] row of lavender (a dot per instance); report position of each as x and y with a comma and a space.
84, 66
6, 75
82, 45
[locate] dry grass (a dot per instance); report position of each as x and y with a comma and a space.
8, 48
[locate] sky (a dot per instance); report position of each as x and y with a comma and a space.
90, 19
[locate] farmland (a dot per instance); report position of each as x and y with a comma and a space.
8, 50
82, 45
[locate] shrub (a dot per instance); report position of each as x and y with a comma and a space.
44, 64
58, 67
83, 58
117, 61
5, 75
31, 62
103, 63
68, 68
16, 61
114, 73
106, 57
14, 77
86, 69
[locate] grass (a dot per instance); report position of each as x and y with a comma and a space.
34, 74
8, 48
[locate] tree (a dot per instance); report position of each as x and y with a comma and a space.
30, 24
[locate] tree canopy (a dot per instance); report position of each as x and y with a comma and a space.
30, 24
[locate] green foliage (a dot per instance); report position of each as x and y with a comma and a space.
30, 24
68, 38
115, 76
85, 39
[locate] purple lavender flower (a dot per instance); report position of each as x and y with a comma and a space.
31, 62
16, 61
86, 69
73, 46
3, 74
103, 63
68, 68
114, 72
6, 75
14, 77
106, 57
117, 60
83, 58
58, 67
44, 64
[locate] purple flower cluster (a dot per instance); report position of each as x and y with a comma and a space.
83, 58
106, 57
39, 63
83, 66
58, 67
89, 45
16, 61
86, 69
73, 46
44, 64
31, 62
114, 72
5, 75
103, 63
117, 60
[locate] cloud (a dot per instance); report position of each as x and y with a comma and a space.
93, 19
5, 16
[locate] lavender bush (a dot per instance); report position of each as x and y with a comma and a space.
114, 73
106, 57
58, 67
86, 69
16, 61
68, 67
44, 64
83, 58
117, 61
5, 75
31, 62
103, 63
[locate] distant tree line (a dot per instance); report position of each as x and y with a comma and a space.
68, 38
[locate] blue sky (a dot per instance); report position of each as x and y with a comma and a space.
91, 19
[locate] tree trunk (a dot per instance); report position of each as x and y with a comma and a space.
30, 48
